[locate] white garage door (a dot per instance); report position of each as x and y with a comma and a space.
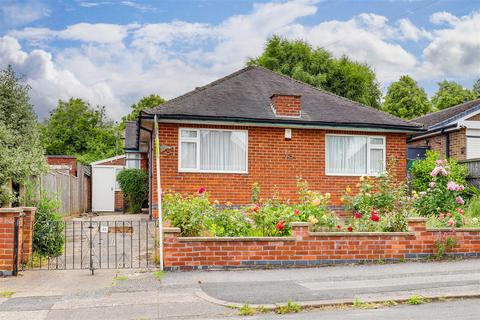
473, 143
103, 189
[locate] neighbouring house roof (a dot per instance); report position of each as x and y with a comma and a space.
131, 135
449, 115
244, 96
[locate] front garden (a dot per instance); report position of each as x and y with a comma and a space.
382, 204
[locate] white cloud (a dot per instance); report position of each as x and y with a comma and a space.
409, 31
443, 17
16, 14
455, 50
84, 32
115, 65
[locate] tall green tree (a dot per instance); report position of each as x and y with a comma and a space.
450, 94
75, 128
147, 102
406, 99
21, 152
476, 88
317, 67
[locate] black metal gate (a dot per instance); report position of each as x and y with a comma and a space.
95, 244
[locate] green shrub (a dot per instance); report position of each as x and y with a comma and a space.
227, 223
381, 204
188, 213
48, 231
134, 185
421, 171
443, 197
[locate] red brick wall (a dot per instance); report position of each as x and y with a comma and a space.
64, 160
119, 201
273, 162
308, 249
286, 105
25, 231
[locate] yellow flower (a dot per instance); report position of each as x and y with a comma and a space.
348, 189
216, 202
324, 217
316, 202
327, 194
312, 220
342, 199
228, 203
362, 178
358, 185
309, 192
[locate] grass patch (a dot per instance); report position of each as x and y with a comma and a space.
6, 294
290, 307
159, 274
246, 310
117, 279
390, 303
415, 300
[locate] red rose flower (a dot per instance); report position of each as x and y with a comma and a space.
201, 190
350, 228
296, 212
280, 225
357, 215
374, 217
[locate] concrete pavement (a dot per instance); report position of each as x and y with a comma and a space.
138, 294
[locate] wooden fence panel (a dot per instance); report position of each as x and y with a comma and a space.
74, 198
473, 167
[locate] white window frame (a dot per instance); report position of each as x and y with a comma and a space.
197, 141
369, 147
130, 161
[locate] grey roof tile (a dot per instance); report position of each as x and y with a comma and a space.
434, 118
246, 94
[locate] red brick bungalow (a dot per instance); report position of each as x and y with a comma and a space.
257, 126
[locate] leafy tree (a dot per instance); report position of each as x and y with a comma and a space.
476, 88
75, 128
450, 94
406, 99
317, 67
145, 103
21, 152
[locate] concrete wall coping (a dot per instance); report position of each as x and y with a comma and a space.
361, 234
11, 210
29, 208
171, 230
417, 219
300, 224
235, 239
453, 230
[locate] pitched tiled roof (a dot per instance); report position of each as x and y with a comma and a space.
245, 96
434, 118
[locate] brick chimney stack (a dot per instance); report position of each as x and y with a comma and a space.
286, 105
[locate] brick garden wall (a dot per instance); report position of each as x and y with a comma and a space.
69, 161
306, 248
273, 162
25, 218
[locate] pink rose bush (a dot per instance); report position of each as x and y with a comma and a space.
443, 200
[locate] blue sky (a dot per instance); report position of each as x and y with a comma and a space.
114, 52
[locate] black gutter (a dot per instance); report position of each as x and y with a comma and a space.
433, 132
447, 143
281, 121
150, 162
